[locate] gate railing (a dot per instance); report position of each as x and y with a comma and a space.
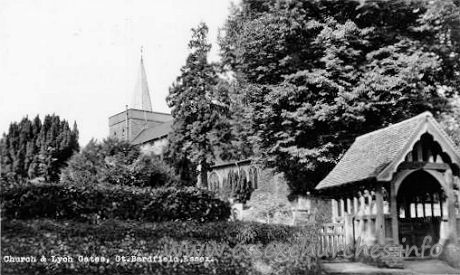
332, 235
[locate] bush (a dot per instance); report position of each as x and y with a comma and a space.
47, 238
148, 171
114, 237
93, 203
116, 162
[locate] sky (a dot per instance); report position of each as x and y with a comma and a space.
79, 59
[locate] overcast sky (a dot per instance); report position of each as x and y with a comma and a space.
79, 59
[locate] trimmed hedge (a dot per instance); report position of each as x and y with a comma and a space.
94, 203
113, 237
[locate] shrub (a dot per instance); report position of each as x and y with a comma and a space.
102, 202
114, 237
116, 162
147, 171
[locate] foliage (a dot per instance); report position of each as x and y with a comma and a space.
451, 122
99, 202
316, 74
33, 148
236, 134
114, 237
198, 106
116, 162
268, 207
239, 185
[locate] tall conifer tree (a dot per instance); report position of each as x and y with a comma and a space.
197, 107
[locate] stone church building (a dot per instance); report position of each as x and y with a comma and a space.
142, 126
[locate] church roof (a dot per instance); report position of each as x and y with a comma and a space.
153, 133
376, 155
141, 97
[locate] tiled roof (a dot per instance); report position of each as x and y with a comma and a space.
371, 153
153, 133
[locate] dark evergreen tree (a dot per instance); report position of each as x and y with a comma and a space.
198, 107
34, 149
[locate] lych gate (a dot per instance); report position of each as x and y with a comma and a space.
397, 185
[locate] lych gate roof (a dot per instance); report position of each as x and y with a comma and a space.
375, 155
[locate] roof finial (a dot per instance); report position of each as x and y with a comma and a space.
142, 53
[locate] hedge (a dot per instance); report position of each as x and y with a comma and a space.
113, 237
95, 203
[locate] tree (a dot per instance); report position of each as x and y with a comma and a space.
116, 162
34, 149
319, 73
198, 108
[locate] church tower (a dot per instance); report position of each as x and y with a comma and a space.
127, 125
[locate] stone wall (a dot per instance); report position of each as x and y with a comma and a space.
269, 201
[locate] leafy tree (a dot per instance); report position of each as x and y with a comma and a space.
116, 162
33, 148
451, 121
316, 74
198, 107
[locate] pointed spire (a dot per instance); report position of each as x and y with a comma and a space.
141, 97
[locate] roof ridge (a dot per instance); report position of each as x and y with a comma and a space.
428, 114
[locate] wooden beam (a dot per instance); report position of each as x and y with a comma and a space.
432, 205
451, 211
379, 220
342, 207
369, 202
440, 205
394, 214
334, 209
409, 165
355, 205
350, 206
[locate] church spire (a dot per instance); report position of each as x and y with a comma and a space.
141, 97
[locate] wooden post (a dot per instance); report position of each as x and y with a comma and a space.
370, 221
432, 205
379, 220
369, 202
362, 204
440, 205
355, 205
348, 223
334, 210
350, 208
424, 206
451, 215
342, 207
452, 219
394, 213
